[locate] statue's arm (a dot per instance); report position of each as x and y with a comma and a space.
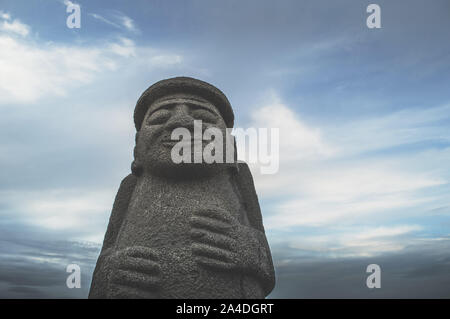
254, 235
102, 269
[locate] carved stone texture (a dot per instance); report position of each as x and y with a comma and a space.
184, 230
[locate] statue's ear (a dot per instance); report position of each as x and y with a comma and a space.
136, 166
247, 191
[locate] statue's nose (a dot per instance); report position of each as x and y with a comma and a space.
180, 118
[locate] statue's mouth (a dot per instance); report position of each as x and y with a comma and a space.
183, 142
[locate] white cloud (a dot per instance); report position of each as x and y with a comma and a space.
323, 182
71, 210
344, 183
5, 15
15, 27
297, 139
31, 71
125, 47
413, 125
297, 142
366, 242
378, 232
164, 60
103, 19
119, 21
68, 3
128, 23
320, 211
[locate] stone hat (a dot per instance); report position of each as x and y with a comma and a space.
183, 85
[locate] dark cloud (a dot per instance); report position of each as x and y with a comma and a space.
33, 263
416, 272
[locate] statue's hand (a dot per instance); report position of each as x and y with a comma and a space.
218, 240
135, 272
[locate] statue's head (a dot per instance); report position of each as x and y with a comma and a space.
174, 104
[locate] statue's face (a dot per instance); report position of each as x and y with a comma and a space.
154, 144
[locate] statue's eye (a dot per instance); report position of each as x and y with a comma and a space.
158, 117
204, 115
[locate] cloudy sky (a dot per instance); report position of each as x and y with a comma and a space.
364, 118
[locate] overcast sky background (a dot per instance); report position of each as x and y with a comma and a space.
364, 117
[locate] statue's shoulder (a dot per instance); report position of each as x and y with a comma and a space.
129, 181
245, 179
125, 191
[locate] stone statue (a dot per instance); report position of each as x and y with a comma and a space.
183, 230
